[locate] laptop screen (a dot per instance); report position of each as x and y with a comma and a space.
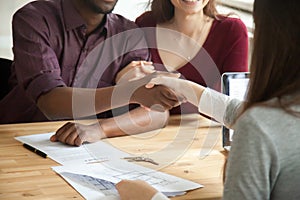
234, 84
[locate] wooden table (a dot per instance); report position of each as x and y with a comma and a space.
25, 175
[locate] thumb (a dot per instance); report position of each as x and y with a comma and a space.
152, 83
53, 138
147, 69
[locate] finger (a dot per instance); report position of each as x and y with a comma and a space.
158, 108
120, 184
62, 129
181, 98
146, 108
168, 93
72, 137
135, 63
63, 136
138, 75
167, 103
150, 85
168, 74
172, 95
147, 68
153, 82
144, 62
147, 62
78, 141
53, 138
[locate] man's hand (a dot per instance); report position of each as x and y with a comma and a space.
135, 190
189, 90
134, 70
157, 98
75, 134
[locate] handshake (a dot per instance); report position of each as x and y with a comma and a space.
137, 83
155, 90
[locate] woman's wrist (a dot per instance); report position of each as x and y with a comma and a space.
192, 91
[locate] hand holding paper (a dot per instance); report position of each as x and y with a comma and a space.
135, 190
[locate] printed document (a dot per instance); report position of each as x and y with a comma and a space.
97, 181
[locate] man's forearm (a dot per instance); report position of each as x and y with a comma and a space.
67, 102
136, 121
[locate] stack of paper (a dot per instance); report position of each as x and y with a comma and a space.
96, 181
94, 169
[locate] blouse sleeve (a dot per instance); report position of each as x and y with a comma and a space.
219, 106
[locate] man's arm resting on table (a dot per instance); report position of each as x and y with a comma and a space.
136, 121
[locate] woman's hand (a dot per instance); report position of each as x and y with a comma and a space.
175, 84
158, 98
189, 90
134, 70
75, 134
135, 190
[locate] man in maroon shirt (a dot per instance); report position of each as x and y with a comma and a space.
60, 45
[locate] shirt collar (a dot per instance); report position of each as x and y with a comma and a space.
71, 16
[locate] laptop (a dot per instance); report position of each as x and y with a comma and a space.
233, 84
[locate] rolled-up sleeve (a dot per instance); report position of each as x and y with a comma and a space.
36, 63
219, 106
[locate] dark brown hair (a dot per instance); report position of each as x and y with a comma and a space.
275, 67
163, 10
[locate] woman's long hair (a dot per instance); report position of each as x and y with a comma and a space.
275, 67
163, 10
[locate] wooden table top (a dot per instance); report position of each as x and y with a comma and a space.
189, 147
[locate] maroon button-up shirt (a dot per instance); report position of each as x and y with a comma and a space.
51, 49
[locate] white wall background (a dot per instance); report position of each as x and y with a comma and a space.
128, 8
7, 8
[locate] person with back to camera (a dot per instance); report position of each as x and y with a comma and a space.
263, 161
68, 48
191, 37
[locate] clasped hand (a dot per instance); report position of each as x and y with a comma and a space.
155, 97
140, 78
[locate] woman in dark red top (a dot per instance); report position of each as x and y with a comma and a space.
192, 38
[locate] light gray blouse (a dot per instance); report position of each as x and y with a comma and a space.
264, 160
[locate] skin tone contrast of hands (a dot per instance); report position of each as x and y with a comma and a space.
162, 99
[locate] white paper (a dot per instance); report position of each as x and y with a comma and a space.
90, 179
66, 154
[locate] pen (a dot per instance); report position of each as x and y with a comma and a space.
38, 152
